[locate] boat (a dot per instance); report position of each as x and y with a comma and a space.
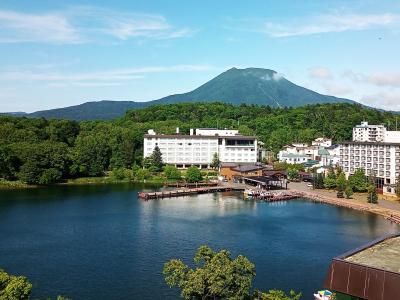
249, 194
323, 295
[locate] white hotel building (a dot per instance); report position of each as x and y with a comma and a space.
198, 148
376, 151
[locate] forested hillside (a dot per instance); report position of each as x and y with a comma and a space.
46, 151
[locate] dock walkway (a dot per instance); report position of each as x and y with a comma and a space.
187, 192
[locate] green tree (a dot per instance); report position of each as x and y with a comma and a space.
14, 287
193, 174
276, 295
157, 161
359, 181
91, 155
142, 174
8, 163
318, 180
341, 185
348, 191
172, 172
330, 179
293, 174
398, 187
216, 275
372, 194
215, 161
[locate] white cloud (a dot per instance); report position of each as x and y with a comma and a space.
388, 79
275, 76
318, 24
320, 73
385, 100
49, 28
82, 24
102, 78
336, 89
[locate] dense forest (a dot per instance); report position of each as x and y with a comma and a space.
40, 151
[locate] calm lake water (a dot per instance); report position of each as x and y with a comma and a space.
101, 242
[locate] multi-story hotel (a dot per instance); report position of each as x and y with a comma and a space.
376, 153
198, 148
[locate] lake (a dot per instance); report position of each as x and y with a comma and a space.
102, 242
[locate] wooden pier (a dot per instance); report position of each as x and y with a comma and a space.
186, 192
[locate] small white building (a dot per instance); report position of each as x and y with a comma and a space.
292, 158
322, 142
198, 149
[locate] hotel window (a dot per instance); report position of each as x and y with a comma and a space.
387, 167
387, 174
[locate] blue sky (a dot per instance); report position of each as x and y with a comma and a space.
61, 53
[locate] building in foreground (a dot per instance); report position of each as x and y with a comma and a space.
371, 272
230, 170
376, 153
199, 147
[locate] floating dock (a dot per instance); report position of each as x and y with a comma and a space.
273, 196
186, 192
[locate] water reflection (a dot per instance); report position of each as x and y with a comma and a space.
118, 243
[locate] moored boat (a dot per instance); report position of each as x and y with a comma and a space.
323, 295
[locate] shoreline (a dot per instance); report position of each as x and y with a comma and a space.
389, 214
16, 185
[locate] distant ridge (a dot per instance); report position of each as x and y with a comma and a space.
236, 86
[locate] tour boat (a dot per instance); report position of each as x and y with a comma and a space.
323, 295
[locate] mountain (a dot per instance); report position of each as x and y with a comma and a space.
236, 86
252, 86
95, 110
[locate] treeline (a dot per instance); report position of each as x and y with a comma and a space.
39, 151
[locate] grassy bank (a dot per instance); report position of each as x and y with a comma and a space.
6, 184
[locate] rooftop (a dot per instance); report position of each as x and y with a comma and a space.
384, 255
369, 272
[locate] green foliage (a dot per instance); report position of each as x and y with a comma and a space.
142, 174
341, 183
277, 295
282, 165
293, 174
372, 195
172, 172
193, 174
319, 181
215, 161
91, 148
330, 179
359, 181
398, 187
348, 191
156, 157
121, 174
216, 275
14, 287
91, 155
